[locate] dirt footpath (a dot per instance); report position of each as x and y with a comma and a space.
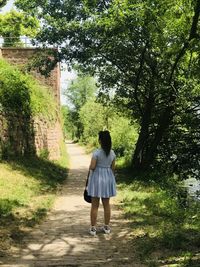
63, 239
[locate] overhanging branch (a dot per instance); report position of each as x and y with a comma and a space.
193, 35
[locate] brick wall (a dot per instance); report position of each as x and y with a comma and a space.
45, 136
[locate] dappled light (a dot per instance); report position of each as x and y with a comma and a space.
129, 73
63, 237
164, 232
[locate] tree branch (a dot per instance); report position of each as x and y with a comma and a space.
193, 34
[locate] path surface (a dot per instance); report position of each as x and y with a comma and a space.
63, 239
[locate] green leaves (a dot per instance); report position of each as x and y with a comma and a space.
80, 91
15, 24
14, 95
140, 50
20, 94
3, 3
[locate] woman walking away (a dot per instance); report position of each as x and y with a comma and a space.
102, 182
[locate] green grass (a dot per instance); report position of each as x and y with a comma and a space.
27, 191
164, 233
64, 159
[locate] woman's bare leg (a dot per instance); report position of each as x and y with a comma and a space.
107, 210
94, 210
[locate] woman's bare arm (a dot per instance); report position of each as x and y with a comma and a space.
93, 164
113, 166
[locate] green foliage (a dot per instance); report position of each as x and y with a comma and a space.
27, 192
124, 136
162, 229
95, 117
81, 90
22, 100
87, 117
44, 153
180, 148
63, 161
42, 103
21, 94
7, 205
14, 94
147, 52
14, 24
67, 122
92, 119
3, 3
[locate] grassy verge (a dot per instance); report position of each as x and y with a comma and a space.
164, 232
27, 191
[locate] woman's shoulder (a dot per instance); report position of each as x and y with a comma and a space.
96, 152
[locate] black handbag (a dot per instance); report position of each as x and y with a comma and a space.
87, 198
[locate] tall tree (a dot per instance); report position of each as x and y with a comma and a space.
144, 50
15, 24
80, 90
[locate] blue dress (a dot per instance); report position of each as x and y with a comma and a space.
102, 180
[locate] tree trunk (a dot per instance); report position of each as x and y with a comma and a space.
142, 142
146, 150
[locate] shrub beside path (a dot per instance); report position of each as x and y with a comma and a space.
63, 239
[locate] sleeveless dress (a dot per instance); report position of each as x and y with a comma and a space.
101, 181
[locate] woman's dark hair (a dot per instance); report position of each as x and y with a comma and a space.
105, 140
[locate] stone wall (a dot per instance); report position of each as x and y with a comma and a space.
48, 137
21, 136
42, 135
16, 134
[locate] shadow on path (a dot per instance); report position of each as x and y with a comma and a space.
63, 239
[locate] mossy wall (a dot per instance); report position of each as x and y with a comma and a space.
29, 115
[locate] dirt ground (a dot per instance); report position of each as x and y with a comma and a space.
63, 238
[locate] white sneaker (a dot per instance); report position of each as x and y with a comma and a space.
106, 229
93, 231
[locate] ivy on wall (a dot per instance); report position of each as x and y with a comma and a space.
22, 99
21, 93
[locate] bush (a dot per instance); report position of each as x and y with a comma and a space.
124, 136
22, 94
96, 117
22, 99
92, 118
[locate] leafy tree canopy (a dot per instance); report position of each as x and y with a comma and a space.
15, 24
147, 51
80, 90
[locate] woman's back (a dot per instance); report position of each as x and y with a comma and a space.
103, 160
